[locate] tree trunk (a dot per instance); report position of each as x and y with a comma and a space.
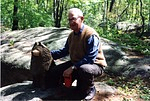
136, 9
142, 17
24, 20
111, 5
15, 18
58, 7
105, 11
149, 18
37, 1
125, 9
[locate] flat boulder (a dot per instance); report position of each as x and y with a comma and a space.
25, 92
16, 48
15, 56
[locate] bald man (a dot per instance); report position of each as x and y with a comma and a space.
87, 58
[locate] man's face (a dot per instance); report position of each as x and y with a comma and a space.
75, 22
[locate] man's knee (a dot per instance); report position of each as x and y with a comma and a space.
92, 69
86, 68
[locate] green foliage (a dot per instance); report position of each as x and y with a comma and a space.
132, 86
146, 97
30, 14
34, 14
128, 41
6, 12
144, 94
110, 82
96, 13
11, 42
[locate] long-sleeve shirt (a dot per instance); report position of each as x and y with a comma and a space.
89, 58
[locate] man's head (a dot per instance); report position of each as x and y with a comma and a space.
75, 17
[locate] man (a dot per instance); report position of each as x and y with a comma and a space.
87, 59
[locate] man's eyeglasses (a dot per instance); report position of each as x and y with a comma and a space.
73, 19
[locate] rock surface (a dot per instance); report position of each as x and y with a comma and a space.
16, 45
15, 56
25, 92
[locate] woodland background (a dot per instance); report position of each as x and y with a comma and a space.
22, 14
103, 15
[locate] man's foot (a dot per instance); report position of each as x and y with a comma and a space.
91, 94
78, 94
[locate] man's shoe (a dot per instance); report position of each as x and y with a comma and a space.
91, 94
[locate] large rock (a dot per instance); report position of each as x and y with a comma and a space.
15, 56
16, 47
25, 92
128, 26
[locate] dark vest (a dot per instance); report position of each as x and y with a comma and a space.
78, 46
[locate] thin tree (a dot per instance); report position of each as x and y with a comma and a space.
111, 5
58, 7
15, 18
149, 18
124, 10
142, 17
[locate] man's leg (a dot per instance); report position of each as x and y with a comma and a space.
85, 80
55, 75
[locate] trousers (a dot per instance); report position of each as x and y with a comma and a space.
84, 75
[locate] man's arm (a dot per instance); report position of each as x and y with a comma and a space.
92, 51
56, 54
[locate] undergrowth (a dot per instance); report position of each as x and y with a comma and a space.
132, 42
136, 87
129, 41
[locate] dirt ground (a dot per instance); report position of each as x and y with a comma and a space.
118, 97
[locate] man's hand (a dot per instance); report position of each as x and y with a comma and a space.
68, 72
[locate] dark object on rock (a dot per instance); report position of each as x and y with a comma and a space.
41, 61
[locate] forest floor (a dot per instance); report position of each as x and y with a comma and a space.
126, 90
135, 89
